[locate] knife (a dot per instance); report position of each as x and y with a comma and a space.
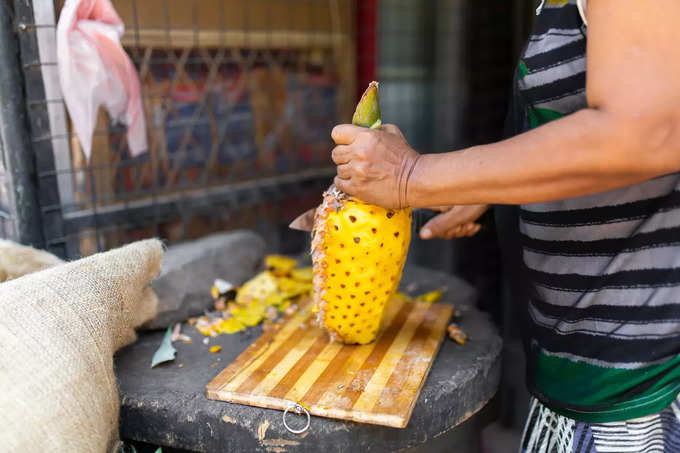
303, 222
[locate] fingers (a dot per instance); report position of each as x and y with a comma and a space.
448, 226
343, 184
344, 134
344, 171
341, 154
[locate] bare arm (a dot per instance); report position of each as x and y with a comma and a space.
629, 133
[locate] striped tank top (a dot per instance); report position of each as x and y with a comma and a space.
604, 304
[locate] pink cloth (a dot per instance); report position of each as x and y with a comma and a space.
94, 70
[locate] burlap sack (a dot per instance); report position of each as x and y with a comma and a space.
59, 329
17, 260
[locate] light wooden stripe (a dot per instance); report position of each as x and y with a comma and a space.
286, 331
301, 366
335, 373
424, 345
353, 364
310, 376
352, 392
300, 349
374, 387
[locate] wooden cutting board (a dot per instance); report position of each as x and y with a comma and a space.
378, 383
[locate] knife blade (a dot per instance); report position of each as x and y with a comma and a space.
303, 222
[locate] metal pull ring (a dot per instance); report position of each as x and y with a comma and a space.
298, 409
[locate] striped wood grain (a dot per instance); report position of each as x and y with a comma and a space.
377, 383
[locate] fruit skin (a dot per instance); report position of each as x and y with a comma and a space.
358, 251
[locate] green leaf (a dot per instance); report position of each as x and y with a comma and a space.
160, 450
367, 113
166, 352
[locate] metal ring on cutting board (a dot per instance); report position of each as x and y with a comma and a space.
299, 409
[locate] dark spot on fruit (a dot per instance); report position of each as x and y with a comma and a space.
356, 240
396, 235
392, 278
342, 285
352, 218
344, 316
373, 230
372, 279
336, 227
387, 292
375, 298
352, 296
339, 296
352, 258
336, 307
382, 244
356, 285
362, 304
337, 261
367, 292
332, 275
356, 315
347, 273
371, 212
351, 324
342, 246
370, 310
332, 316
390, 214
325, 247
359, 331
349, 307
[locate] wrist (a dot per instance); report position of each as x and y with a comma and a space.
417, 189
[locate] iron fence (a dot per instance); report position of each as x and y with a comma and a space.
239, 99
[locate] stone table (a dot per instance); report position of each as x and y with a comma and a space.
167, 406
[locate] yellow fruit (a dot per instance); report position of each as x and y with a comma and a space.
430, 297
359, 252
257, 288
303, 274
279, 264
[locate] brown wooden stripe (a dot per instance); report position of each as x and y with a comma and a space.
401, 372
287, 382
406, 399
353, 391
259, 373
321, 384
252, 352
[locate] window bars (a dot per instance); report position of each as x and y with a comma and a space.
239, 99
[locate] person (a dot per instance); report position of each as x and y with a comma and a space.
595, 170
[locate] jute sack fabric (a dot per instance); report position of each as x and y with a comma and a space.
17, 260
59, 329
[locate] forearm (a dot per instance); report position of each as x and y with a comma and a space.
587, 152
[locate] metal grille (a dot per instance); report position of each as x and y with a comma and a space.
239, 98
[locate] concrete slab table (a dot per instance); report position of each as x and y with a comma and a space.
167, 405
